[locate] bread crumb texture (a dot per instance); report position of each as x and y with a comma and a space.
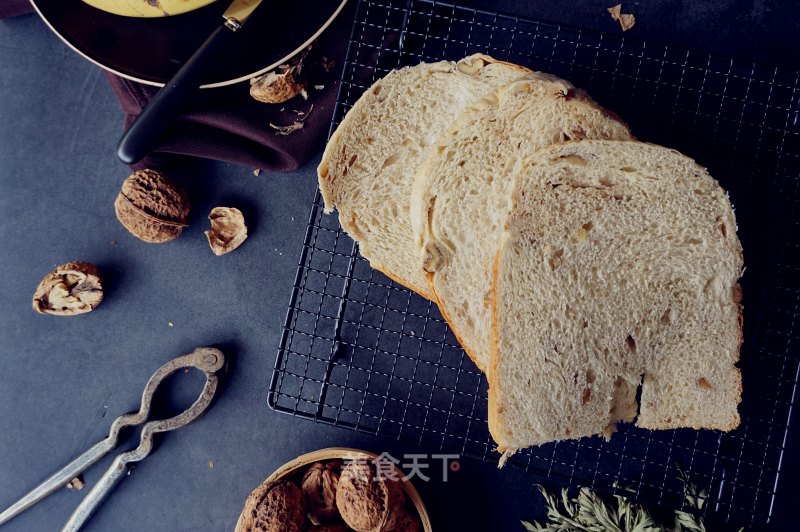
617, 268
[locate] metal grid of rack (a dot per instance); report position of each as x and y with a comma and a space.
361, 351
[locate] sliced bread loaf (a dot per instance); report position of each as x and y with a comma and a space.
368, 166
460, 195
618, 265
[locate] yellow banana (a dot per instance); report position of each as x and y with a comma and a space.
147, 8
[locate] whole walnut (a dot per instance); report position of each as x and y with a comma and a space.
152, 206
368, 502
276, 506
319, 487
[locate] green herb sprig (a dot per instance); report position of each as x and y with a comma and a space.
589, 513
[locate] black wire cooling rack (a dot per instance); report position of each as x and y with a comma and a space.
362, 352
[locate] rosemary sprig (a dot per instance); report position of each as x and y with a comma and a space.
694, 499
589, 513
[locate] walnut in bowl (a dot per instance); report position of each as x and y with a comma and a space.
277, 506
339, 494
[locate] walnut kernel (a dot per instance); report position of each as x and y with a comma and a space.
72, 288
473, 64
152, 206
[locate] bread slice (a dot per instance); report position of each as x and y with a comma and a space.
460, 195
618, 265
368, 166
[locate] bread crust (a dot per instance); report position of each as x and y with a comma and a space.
443, 311
494, 352
385, 271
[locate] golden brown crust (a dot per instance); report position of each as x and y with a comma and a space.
494, 357
416, 289
443, 311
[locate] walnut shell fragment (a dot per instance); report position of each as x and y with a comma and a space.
319, 487
283, 83
152, 206
277, 86
626, 20
72, 288
274, 507
368, 502
228, 230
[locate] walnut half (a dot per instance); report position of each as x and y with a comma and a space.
72, 288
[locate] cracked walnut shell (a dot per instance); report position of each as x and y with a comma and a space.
277, 86
228, 230
72, 288
283, 83
152, 206
275, 507
368, 502
319, 487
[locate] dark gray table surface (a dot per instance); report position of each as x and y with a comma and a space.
64, 379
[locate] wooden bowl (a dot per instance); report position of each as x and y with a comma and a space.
293, 467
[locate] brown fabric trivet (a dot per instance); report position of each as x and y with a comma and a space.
12, 8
